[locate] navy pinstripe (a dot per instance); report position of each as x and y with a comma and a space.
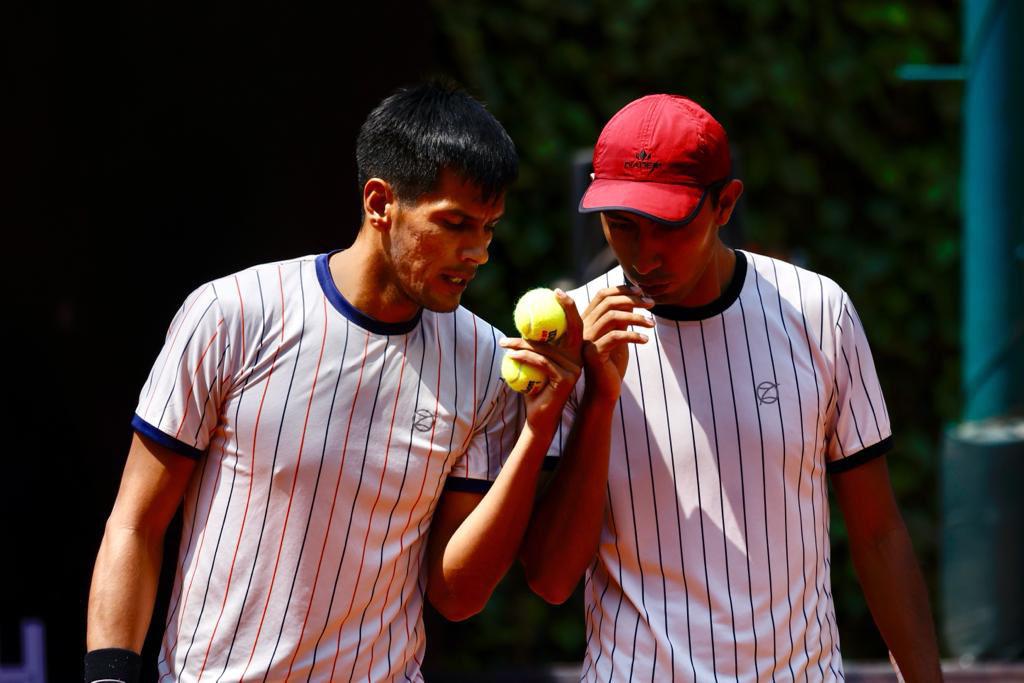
740, 340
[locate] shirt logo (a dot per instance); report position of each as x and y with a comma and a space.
767, 393
423, 420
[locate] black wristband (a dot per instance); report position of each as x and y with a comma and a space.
112, 665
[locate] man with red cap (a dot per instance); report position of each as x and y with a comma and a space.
720, 387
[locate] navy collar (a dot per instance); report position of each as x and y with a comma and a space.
708, 310
323, 273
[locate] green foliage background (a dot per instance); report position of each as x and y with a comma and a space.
848, 170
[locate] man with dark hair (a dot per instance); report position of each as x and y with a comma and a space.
398, 142
332, 424
692, 481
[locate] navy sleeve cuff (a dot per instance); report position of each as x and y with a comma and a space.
467, 485
149, 431
860, 457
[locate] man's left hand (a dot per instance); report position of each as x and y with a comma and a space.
561, 362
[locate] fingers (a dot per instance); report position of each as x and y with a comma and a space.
616, 320
558, 370
610, 347
573, 322
540, 354
618, 338
623, 297
614, 309
597, 338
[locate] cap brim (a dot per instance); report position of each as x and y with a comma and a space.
663, 202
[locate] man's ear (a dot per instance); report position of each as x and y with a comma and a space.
727, 198
378, 204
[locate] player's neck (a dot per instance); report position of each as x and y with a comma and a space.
363, 278
715, 279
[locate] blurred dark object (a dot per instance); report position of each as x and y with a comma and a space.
32, 666
983, 540
591, 255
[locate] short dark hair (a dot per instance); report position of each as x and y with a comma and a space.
417, 132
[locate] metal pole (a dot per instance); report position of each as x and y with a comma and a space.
993, 202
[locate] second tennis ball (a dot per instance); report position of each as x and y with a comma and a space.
521, 377
539, 316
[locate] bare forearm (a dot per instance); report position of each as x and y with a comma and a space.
123, 589
566, 527
483, 547
896, 594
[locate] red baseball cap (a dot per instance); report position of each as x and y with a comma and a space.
657, 157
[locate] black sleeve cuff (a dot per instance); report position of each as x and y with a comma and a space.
112, 665
860, 457
165, 440
467, 485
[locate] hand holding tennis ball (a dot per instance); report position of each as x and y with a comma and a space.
522, 377
539, 317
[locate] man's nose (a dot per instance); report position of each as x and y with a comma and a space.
476, 252
646, 261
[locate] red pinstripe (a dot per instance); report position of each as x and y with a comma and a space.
171, 345
334, 501
408, 521
472, 423
216, 481
291, 494
195, 374
501, 436
437, 487
252, 476
380, 487
199, 553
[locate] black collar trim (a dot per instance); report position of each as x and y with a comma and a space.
709, 310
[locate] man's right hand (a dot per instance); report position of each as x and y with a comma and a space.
606, 336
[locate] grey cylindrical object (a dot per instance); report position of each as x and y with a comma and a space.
982, 562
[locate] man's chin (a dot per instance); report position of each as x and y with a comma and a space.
661, 296
442, 305
668, 298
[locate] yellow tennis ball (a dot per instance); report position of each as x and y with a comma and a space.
522, 377
539, 316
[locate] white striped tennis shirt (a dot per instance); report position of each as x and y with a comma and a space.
324, 439
714, 560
